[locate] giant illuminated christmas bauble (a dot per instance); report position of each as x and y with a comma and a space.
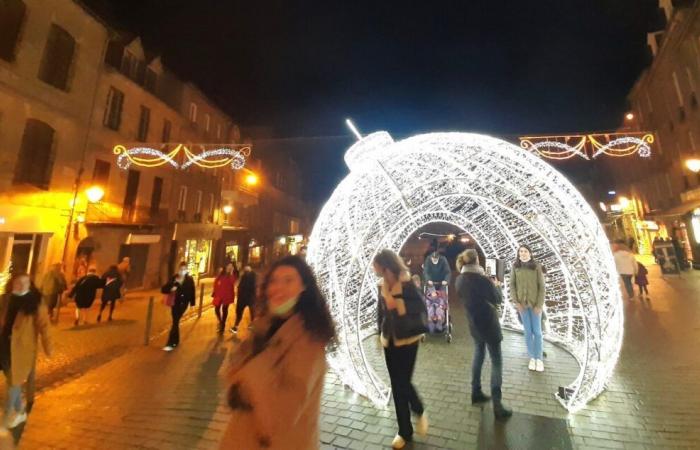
501, 195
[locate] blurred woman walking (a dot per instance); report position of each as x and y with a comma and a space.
276, 376
224, 293
247, 293
111, 292
180, 292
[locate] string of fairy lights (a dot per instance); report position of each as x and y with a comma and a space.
589, 146
499, 194
234, 156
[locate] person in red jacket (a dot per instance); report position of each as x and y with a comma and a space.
224, 293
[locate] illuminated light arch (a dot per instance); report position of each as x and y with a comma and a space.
501, 195
613, 144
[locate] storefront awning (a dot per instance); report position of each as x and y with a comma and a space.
677, 211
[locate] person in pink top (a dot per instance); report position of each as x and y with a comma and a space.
224, 293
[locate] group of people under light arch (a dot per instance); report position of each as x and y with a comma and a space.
277, 375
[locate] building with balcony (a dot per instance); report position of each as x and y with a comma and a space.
663, 193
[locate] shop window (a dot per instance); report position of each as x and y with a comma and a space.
113, 111
255, 255
144, 123
100, 174
36, 155
11, 18
58, 58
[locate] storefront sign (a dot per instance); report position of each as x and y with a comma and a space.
142, 239
648, 225
668, 260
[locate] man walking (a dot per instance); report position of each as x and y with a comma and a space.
626, 265
52, 286
480, 297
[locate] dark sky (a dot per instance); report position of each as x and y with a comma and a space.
502, 67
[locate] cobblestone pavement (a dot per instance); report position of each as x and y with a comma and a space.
150, 399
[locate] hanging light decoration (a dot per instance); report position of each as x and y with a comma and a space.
234, 156
589, 146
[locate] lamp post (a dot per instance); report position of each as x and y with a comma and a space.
693, 165
94, 194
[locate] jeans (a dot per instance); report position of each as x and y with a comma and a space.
532, 323
221, 312
240, 308
627, 281
496, 368
177, 310
643, 289
400, 362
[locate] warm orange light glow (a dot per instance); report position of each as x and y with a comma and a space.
693, 165
251, 179
94, 194
629, 116
80, 218
227, 209
624, 202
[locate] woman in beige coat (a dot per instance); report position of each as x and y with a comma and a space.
276, 376
23, 320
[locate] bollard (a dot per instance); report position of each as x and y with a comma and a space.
149, 320
201, 299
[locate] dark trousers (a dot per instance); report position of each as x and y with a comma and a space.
400, 362
496, 368
111, 306
177, 310
240, 307
643, 289
221, 312
627, 281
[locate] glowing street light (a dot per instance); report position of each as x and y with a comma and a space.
624, 202
629, 116
227, 209
251, 179
94, 194
693, 165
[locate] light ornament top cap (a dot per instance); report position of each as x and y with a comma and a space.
367, 149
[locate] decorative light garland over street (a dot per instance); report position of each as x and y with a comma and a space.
208, 158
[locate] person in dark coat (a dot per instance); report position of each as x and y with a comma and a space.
436, 270
111, 292
84, 292
247, 288
181, 285
481, 297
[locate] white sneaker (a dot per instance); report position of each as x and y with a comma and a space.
398, 442
16, 420
422, 424
539, 365
533, 364
168, 348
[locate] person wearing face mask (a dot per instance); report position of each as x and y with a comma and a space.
182, 286
24, 319
402, 319
436, 270
276, 376
527, 291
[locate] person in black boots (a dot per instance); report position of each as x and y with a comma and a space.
247, 288
181, 287
481, 296
403, 320
111, 292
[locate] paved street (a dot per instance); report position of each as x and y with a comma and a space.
149, 399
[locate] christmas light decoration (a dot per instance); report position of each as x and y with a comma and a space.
614, 144
206, 159
501, 196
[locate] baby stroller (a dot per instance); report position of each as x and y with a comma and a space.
436, 301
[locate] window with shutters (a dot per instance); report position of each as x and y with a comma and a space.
58, 58
100, 174
11, 18
113, 111
156, 195
207, 122
144, 123
132, 190
193, 113
151, 81
36, 155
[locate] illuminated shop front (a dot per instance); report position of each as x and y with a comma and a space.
288, 245
195, 246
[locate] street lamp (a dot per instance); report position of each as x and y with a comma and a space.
94, 194
251, 179
629, 116
624, 202
227, 209
693, 165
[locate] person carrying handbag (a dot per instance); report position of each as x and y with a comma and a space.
403, 320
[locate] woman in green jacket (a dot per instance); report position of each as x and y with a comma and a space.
527, 291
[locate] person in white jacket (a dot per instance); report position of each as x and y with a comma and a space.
626, 265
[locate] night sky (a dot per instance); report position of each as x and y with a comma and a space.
302, 67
